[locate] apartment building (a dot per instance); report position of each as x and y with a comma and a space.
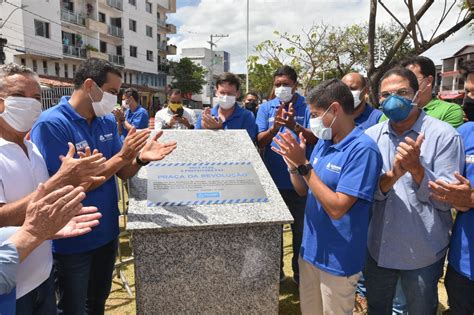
452, 80
216, 62
53, 36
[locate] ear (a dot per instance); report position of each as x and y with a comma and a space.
295, 87
2, 104
336, 108
88, 83
430, 80
238, 94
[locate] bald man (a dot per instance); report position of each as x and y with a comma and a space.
365, 115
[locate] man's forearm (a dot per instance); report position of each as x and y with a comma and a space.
129, 170
111, 167
387, 181
266, 137
24, 242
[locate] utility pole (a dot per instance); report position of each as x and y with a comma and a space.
211, 67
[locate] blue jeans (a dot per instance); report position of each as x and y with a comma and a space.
419, 285
83, 280
296, 204
41, 300
460, 292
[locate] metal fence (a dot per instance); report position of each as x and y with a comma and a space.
51, 96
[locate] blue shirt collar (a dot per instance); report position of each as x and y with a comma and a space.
68, 110
237, 111
354, 134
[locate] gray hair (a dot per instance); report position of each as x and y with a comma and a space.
11, 69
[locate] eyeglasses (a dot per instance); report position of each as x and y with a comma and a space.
400, 92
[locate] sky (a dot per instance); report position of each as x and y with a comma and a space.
196, 20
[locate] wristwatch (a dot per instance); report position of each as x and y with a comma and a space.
140, 162
304, 169
297, 128
292, 170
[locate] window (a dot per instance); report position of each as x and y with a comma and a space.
133, 51
23, 62
119, 50
158, 16
57, 68
148, 6
132, 25
35, 66
132, 2
125, 77
41, 28
74, 70
103, 47
45, 67
66, 70
149, 31
102, 17
149, 55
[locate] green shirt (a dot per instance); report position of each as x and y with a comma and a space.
444, 111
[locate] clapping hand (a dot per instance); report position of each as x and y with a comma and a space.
293, 152
155, 151
210, 122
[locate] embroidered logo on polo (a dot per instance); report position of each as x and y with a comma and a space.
81, 146
333, 168
106, 137
469, 159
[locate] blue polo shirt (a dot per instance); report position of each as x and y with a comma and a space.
53, 130
8, 302
369, 117
461, 249
265, 118
139, 119
352, 167
240, 119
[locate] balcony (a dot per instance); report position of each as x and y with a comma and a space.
96, 26
73, 18
171, 28
115, 31
117, 4
118, 60
171, 50
78, 52
97, 54
162, 46
161, 23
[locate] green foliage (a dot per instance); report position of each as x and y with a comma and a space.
187, 76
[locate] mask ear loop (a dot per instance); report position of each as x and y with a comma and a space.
414, 97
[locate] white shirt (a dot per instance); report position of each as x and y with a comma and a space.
164, 116
20, 176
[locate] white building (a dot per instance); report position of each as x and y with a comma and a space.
53, 36
452, 80
216, 63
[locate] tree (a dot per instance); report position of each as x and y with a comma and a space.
261, 76
187, 76
413, 32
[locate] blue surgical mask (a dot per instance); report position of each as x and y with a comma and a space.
397, 108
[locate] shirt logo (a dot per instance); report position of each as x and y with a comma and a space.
81, 145
333, 168
106, 137
315, 160
299, 118
470, 159
271, 119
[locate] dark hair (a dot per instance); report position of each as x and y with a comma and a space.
467, 68
230, 78
330, 91
133, 93
252, 93
427, 66
404, 73
288, 71
175, 92
95, 69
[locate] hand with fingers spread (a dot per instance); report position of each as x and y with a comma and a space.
408, 154
292, 151
81, 224
286, 117
209, 121
459, 193
134, 143
156, 151
82, 171
119, 115
277, 124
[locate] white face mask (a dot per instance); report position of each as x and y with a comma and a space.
284, 93
125, 104
226, 101
357, 100
105, 105
20, 113
319, 130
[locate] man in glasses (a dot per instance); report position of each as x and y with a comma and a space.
409, 229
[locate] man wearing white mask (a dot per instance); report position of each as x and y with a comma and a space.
84, 265
288, 111
226, 114
365, 115
340, 189
22, 169
132, 114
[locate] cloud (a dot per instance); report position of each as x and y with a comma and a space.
199, 20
